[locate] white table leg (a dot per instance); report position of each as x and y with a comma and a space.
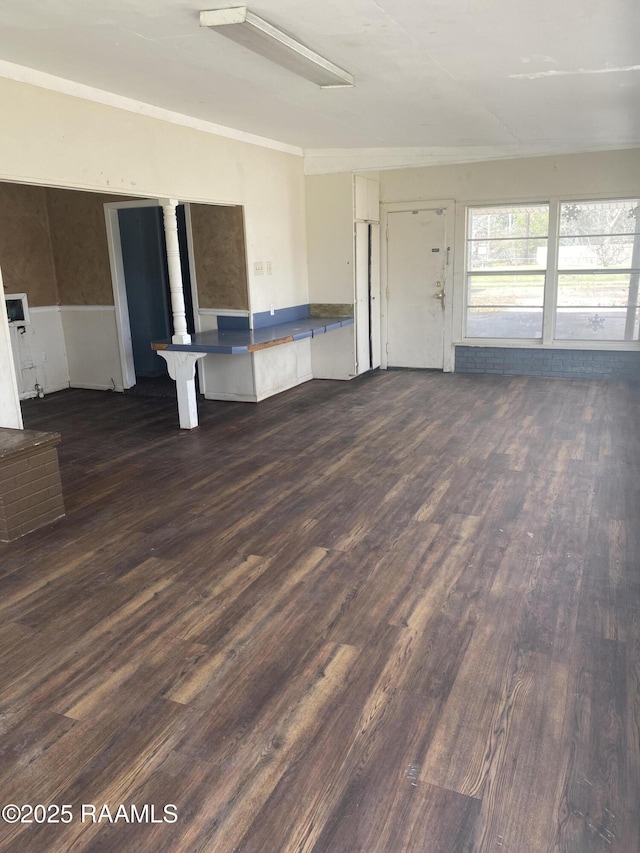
182, 368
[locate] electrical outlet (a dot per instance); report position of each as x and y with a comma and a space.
258, 268
272, 309
45, 356
269, 267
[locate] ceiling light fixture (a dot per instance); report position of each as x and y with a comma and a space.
241, 25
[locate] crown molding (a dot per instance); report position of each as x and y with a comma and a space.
33, 77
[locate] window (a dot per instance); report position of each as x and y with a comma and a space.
506, 263
588, 281
598, 265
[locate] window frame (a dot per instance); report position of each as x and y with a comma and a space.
469, 273
549, 310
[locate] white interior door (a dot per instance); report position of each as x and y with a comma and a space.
416, 256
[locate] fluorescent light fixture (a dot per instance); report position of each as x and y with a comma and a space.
258, 35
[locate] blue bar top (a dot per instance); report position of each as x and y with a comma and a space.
241, 341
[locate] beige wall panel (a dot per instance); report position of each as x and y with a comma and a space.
530, 179
25, 248
330, 238
79, 240
219, 256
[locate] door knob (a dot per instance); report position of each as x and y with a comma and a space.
439, 295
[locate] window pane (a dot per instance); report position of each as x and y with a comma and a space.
596, 251
506, 290
599, 217
593, 324
526, 221
593, 290
507, 247
504, 323
507, 254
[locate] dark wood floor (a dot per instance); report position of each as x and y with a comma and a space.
397, 614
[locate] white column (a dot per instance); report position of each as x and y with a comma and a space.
182, 368
180, 334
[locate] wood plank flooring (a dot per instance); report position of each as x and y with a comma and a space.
396, 615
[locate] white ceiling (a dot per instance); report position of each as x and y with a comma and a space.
436, 80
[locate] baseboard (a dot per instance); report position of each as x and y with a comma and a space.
88, 386
30, 395
230, 398
54, 388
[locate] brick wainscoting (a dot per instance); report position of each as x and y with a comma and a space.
567, 364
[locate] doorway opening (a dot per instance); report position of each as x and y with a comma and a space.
367, 309
138, 255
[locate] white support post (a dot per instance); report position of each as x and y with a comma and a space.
180, 334
182, 368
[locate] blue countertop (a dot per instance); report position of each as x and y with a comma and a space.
241, 341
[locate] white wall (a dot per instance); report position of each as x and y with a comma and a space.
60, 140
282, 367
49, 348
333, 355
91, 339
530, 179
228, 377
88, 332
39, 352
330, 239
274, 199
57, 140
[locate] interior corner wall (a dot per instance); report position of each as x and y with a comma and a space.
278, 368
274, 199
91, 338
51, 139
330, 236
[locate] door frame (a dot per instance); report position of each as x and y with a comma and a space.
367, 293
449, 208
121, 305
